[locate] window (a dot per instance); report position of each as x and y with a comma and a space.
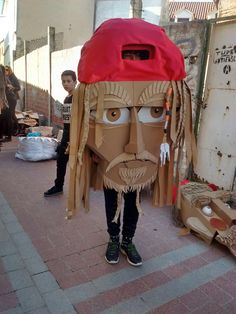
137, 52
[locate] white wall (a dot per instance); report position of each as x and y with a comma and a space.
38, 68
9, 31
63, 60
217, 136
72, 17
106, 9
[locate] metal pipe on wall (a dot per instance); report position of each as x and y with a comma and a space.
51, 48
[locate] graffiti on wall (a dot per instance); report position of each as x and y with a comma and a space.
225, 54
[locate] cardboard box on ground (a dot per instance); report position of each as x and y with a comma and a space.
220, 224
29, 122
26, 119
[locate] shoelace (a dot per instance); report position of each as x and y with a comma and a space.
113, 247
131, 248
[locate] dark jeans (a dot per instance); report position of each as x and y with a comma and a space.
14, 121
130, 214
62, 158
5, 123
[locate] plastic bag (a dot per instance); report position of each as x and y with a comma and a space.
36, 148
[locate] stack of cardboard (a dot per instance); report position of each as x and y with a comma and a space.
220, 224
26, 119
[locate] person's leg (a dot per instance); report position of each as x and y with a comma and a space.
111, 206
130, 216
113, 229
130, 219
14, 122
1, 125
62, 160
7, 125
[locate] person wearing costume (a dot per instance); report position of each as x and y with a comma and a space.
132, 111
130, 214
68, 79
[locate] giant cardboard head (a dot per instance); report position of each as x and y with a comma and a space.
132, 98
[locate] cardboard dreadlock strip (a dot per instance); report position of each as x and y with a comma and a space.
87, 175
187, 140
99, 113
173, 134
180, 126
188, 123
75, 130
119, 207
82, 175
85, 124
163, 185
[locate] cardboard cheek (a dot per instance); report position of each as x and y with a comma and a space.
114, 139
152, 137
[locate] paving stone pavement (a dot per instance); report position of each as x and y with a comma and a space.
51, 265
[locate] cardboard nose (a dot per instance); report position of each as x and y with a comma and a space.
136, 144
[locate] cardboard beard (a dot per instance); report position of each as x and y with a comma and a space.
128, 116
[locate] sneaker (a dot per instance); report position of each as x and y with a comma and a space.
129, 250
113, 250
53, 191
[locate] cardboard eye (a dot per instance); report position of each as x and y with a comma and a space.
156, 112
113, 114
116, 115
151, 114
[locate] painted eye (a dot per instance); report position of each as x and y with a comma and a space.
116, 116
151, 114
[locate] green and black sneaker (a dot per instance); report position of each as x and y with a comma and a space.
133, 257
113, 250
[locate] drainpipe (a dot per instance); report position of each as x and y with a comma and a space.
94, 15
25, 90
201, 85
51, 48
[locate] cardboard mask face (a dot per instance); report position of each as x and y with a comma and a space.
121, 131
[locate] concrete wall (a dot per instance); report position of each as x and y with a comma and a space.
217, 136
106, 9
190, 38
35, 79
71, 17
227, 8
9, 31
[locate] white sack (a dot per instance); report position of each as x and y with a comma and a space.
36, 148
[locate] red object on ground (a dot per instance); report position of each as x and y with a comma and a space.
213, 186
218, 224
101, 56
